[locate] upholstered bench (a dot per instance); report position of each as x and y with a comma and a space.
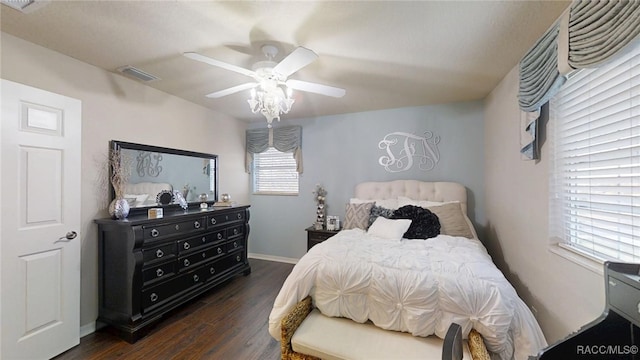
307, 334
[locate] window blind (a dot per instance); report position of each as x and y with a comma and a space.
595, 183
275, 172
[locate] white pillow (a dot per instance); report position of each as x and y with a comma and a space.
389, 229
403, 201
385, 203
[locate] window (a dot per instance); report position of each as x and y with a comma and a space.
595, 166
274, 172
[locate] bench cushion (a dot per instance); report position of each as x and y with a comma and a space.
338, 338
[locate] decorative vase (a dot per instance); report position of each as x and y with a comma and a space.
225, 197
119, 209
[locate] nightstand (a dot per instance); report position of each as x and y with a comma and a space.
315, 237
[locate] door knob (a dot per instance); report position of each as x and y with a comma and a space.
68, 237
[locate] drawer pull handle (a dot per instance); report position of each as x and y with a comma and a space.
239, 216
155, 232
235, 244
204, 239
159, 253
226, 217
186, 262
196, 224
235, 231
154, 297
219, 236
159, 272
212, 270
204, 255
196, 278
213, 221
238, 258
186, 246
177, 227
219, 250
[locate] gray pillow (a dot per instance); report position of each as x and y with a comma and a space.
452, 220
379, 211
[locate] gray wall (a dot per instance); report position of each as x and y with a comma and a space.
341, 151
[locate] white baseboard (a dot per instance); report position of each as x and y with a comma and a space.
87, 329
273, 258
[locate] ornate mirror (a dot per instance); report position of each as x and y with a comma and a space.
156, 173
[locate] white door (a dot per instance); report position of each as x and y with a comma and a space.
40, 222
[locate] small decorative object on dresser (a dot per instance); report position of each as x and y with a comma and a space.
147, 267
315, 236
333, 222
165, 197
320, 196
120, 171
180, 200
225, 201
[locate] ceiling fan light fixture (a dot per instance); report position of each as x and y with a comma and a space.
270, 101
271, 93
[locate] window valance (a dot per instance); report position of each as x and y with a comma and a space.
599, 29
284, 139
587, 34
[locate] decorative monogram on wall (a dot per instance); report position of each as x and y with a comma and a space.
403, 149
149, 164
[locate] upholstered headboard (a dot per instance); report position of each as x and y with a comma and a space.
413, 189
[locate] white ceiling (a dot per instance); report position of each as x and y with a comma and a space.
386, 54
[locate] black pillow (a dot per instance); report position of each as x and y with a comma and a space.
379, 211
424, 223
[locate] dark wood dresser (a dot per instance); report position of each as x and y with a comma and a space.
148, 267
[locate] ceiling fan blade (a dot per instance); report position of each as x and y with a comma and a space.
316, 88
218, 63
299, 58
232, 90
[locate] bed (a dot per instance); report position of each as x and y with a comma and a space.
371, 273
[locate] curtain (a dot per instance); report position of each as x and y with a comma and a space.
540, 79
599, 29
284, 139
587, 34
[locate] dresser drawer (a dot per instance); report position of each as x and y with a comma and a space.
237, 258
157, 272
195, 242
159, 294
158, 253
161, 230
234, 245
625, 298
221, 219
190, 261
235, 231
319, 236
214, 268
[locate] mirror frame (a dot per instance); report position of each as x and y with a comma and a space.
117, 145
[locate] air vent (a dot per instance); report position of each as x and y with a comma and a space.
137, 74
25, 6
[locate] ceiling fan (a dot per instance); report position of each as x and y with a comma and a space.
271, 80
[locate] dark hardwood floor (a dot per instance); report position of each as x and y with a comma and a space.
229, 322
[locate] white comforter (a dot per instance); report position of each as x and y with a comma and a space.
416, 286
